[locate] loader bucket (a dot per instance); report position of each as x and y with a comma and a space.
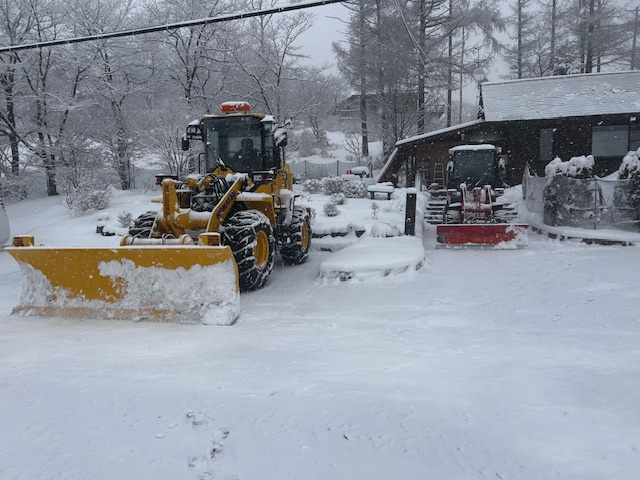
163, 283
498, 235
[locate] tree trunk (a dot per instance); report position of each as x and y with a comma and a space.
123, 157
363, 82
520, 33
421, 69
9, 80
588, 64
552, 53
449, 68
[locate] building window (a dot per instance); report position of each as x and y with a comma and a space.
546, 144
610, 141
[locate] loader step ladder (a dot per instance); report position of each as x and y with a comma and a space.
438, 174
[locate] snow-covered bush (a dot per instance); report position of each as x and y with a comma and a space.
576, 167
312, 185
88, 197
568, 200
126, 219
630, 165
628, 193
354, 189
375, 210
332, 185
13, 186
338, 198
331, 209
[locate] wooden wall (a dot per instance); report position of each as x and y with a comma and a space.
520, 143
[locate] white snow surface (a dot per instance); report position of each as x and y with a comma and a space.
513, 364
464, 148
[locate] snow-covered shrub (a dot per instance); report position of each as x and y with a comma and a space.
375, 209
628, 193
312, 213
568, 200
338, 198
125, 218
576, 167
332, 185
88, 197
13, 186
312, 185
331, 209
630, 165
354, 189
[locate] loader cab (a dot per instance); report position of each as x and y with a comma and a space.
476, 166
238, 139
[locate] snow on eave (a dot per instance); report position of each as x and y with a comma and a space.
435, 133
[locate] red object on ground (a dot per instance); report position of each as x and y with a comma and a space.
479, 234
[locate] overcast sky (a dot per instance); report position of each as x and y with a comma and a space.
329, 26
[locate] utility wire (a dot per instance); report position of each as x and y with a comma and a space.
167, 27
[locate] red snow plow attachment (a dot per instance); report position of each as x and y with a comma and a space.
482, 235
180, 282
480, 222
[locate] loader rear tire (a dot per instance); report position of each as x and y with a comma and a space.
250, 236
296, 251
143, 224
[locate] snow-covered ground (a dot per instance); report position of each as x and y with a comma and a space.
512, 364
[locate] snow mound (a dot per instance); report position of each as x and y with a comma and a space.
383, 229
374, 258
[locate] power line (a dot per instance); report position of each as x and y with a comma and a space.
167, 27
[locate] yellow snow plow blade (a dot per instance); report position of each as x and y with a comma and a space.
154, 282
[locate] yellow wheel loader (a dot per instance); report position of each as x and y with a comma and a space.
216, 233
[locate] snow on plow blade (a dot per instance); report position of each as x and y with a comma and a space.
162, 283
499, 235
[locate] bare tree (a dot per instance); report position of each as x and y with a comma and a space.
269, 61
15, 27
120, 73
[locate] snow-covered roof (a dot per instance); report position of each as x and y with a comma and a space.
435, 133
562, 96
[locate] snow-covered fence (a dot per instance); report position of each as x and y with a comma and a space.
305, 169
532, 190
594, 203
588, 203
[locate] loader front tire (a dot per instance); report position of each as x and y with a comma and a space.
296, 251
143, 224
250, 236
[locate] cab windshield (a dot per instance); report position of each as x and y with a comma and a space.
236, 140
473, 168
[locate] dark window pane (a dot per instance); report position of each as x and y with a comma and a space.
546, 144
610, 141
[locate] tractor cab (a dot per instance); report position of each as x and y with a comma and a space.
475, 166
